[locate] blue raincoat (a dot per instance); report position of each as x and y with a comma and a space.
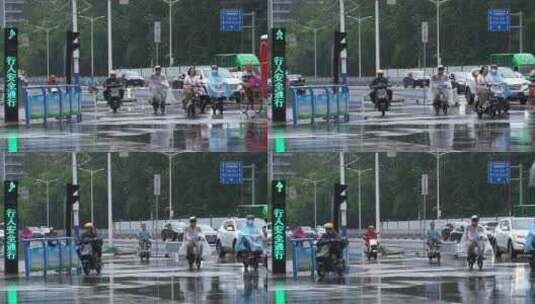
249, 236
529, 238
217, 86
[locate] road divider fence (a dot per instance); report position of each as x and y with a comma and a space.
49, 253
328, 102
62, 102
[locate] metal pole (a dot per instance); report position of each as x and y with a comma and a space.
110, 216
253, 32
270, 14
253, 198
521, 38
92, 203
110, 46
360, 50
438, 185
4, 13
360, 202
439, 60
377, 198
315, 54
76, 53
157, 53
75, 207
47, 205
377, 42
343, 54
521, 186
47, 53
170, 33
315, 205
92, 59
170, 186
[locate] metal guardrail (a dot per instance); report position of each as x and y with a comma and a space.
64, 245
329, 102
52, 101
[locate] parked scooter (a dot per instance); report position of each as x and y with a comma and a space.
144, 250
433, 251
88, 256
329, 256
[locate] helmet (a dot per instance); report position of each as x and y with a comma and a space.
440, 67
380, 71
475, 218
250, 217
113, 72
88, 225
493, 66
193, 219
214, 67
371, 227
328, 226
157, 67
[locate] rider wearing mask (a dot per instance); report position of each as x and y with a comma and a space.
143, 234
90, 235
481, 86
432, 235
380, 80
475, 236
369, 234
493, 75
192, 236
112, 82
158, 84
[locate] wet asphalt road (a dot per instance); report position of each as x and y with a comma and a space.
135, 128
411, 279
412, 127
126, 280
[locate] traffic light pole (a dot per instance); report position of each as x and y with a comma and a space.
76, 52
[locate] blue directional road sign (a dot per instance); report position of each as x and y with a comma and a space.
231, 20
499, 20
499, 172
231, 172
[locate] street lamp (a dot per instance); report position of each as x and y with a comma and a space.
359, 21
359, 173
438, 3
170, 159
91, 173
438, 155
47, 33
170, 3
315, 183
47, 183
92, 21
315, 31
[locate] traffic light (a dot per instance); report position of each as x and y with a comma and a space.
339, 45
73, 201
73, 44
340, 197
11, 251
278, 218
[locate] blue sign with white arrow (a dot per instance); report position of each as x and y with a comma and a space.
499, 20
231, 172
231, 20
499, 172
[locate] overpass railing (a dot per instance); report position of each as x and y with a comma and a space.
328, 102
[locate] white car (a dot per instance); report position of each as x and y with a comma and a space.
511, 235
227, 235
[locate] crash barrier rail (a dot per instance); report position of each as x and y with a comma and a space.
329, 102
52, 101
56, 253
304, 249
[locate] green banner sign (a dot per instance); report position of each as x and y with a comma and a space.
11, 68
278, 74
11, 250
278, 218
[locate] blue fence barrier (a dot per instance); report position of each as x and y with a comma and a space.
329, 102
304, 253
49, 253
52, 101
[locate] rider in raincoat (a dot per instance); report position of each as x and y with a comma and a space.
217, 87
249, 237
528, 247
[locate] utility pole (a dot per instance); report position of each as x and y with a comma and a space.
75, 207
110, 45
520, 28
110, 215
171, 3
377, 41
343, 54
377, 198
76, 53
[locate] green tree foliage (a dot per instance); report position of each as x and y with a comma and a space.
196, 35
465, 39
464, 189
196, 187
